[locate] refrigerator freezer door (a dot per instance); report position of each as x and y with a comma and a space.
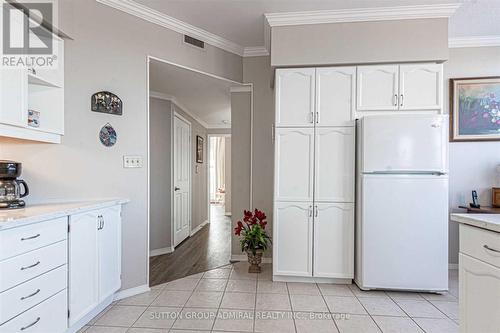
403, 232
404, 143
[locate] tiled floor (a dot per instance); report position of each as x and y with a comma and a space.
229, 299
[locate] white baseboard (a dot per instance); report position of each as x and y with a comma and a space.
121, 294
198, 228
243, 257
452, 266
163, 250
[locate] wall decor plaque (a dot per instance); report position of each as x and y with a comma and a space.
108, 135
106, 102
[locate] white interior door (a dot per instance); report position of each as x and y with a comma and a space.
420, 87
377, 88
182, 179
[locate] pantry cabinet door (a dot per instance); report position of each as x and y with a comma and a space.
420, 87
377, 88
335, 96
294, 164
335, 156
334, 240
14, 97
292, 239
295, 95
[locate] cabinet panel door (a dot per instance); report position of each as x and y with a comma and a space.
335, 155
335, 91
14, 97
295, 93
420, 87
377, 88
109, 240
292, 239
294, 163
83, 265
479, 295
334, 240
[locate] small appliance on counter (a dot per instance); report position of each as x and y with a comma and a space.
10, 186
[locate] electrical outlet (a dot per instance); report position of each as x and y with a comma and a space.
132, 161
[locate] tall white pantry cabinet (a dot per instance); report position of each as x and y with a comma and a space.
314, 139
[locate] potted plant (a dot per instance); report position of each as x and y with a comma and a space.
254, 239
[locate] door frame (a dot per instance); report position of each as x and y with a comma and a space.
174, 114
209, 136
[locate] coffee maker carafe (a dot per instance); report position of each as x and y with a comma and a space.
10, 186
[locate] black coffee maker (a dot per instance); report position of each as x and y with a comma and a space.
10, 186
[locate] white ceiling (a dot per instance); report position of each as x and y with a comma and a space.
242, 21
205, 97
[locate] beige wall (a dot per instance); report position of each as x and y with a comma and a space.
108, 52
472, 164
360, 42
227, 175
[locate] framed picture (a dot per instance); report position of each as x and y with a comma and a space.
475, 109
199, 149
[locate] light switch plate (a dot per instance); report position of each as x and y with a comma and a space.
130, 161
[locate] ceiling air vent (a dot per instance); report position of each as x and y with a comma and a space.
194, 42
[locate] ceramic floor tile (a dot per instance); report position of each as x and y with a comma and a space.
158, 286
340, 304
147, 330
308, 303
422, 309
83, 329
446, 296
143, 299
299, 288
448, 308
205, 299
270, 287
248, 286
357, 324
274, 322
234, 320
335, 290
433, 325
242, 275
158, 317
182, 284
219, 273
309, 322
196, 319
121, 315
238, 301
397, 324
211, 285
189, 331
404, 295
370, 293
276, 302
381, 306
106, 329
93, 320
195, 276
172, 298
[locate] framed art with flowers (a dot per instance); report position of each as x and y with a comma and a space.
475, 109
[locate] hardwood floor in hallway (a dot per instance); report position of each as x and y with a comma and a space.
209, 248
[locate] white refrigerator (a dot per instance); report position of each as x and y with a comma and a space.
402, 203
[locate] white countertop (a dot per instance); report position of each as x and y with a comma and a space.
39, 212
485, 221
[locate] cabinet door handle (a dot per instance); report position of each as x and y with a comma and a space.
315, 211
395, 99
402, 99
31, 237
31, 295
102, 219
32, 324
317, 117
99, 222
310, 211
311, 117
31, 266
490, 249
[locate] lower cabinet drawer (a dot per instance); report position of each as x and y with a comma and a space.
23, 297
50, 316
27, 266
480, 244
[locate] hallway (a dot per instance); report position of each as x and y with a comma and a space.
209, 248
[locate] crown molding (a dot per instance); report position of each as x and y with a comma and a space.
361, 14
167, 97
255, 51
475, 41
156, 17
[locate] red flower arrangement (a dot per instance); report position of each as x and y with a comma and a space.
252, 231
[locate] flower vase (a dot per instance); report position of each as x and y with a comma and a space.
254, 260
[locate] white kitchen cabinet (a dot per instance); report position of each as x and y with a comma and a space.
334, 240
377, 87
335, 96
420, 87
293, 239
334, 164
479, 296
294, 164
14, 94
295, 96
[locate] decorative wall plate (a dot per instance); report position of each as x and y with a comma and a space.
106, 102
108, 135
